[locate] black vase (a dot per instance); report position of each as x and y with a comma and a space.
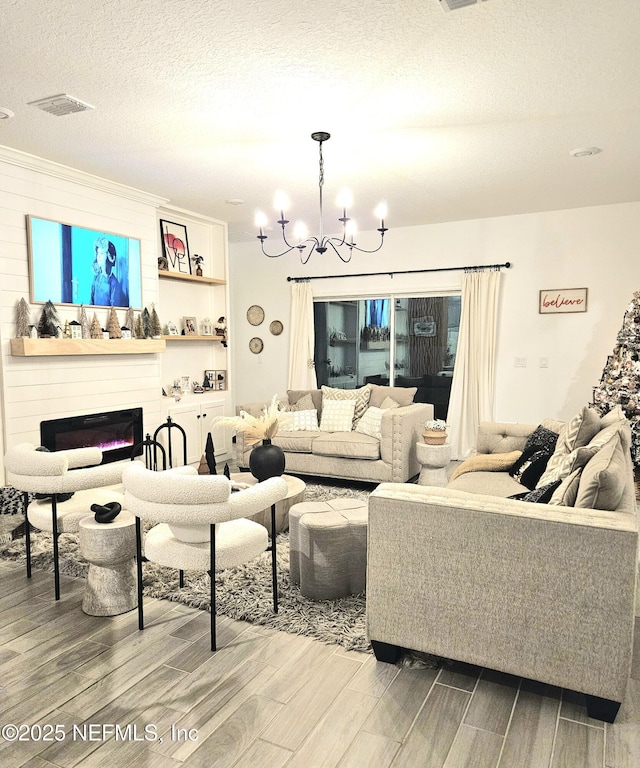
266, 460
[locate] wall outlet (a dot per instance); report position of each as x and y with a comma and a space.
519, 362
544, 362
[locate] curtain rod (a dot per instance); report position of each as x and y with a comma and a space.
478, 268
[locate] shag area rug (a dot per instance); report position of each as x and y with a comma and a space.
242, 593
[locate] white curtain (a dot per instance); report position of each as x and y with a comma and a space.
302, 372
472, 389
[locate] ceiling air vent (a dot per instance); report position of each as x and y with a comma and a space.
62, 104
454, 5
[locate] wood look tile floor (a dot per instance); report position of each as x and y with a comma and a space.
266, 699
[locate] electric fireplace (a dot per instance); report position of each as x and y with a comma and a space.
114, 432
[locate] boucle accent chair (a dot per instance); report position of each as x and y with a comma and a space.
61, 472
199, 524
545, 591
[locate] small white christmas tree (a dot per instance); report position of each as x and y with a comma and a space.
23, 319
96, 328
113, 325
84, 322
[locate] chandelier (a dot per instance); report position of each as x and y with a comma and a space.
343, 244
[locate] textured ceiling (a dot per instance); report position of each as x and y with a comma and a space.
446, 116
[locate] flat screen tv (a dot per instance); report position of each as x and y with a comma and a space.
75, 265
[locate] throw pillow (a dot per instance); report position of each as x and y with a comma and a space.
528, 469
305, 403
567, 490
538, 495
337, 415
402, 395
389, 402
615, 415
359, 396
578, 432
603, 478
487, 462
371, 422
301, 421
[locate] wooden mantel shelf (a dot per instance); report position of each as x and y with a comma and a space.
191, 337
191, 278
27, 347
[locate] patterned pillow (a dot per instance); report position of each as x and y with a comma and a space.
371, 422
389, 402
528, 469
300, 421
305, 403
359, 396
578, 432
538, 495
337, 415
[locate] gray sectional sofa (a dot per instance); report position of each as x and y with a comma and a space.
351, 455
544, 591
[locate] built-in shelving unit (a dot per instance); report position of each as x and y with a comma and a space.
27, 347
166, 275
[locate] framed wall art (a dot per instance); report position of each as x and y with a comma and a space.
175, 246
562, 300
190, 325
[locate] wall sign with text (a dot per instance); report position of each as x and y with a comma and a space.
555, 300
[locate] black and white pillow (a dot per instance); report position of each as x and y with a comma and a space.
538, 449
538, 495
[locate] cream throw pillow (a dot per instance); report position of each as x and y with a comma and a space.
359, 396
299, 421
604, 477
337, 415
575, 434
371, 422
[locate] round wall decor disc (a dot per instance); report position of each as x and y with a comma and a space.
256, 345
255, 314
276, 327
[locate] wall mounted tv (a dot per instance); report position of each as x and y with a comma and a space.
74, 265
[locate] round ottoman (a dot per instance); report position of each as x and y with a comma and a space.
328, 547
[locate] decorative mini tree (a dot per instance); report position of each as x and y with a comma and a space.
139, 326
130, 322
154, 322
96, 328
67, 330
210, 455
84, 322
620, 380
113, 325
146, 323
23, 319
49, 322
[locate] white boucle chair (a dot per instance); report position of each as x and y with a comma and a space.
61, 472
198, 523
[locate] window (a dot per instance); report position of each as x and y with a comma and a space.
406, 341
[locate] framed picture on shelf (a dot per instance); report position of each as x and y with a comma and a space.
190, 326
175, 246
206, 327
209, 380
221, 380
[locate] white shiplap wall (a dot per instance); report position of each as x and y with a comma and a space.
38, 388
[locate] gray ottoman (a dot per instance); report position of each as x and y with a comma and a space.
328, 547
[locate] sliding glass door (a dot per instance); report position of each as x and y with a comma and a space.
402, 341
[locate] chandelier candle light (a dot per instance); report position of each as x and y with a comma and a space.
307, 245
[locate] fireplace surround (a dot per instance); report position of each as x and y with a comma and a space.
114, 432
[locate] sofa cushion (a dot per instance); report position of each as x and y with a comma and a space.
577, 433
615, 415
488, 483
295, 442
603, 478
350, 445
337, 415
402, 395
359, 396
305, 403
299, 421
502, 437
387, 403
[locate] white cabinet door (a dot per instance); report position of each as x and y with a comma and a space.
195, 419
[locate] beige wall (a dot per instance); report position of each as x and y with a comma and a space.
593, 247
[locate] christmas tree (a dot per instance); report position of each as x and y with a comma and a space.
620, 381
96, 328
49, 321
130, 322
139, 327
113, 325
84, 322
23, 318
146, 323
156, 326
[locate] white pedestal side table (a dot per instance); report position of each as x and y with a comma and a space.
110, 549
433, 459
